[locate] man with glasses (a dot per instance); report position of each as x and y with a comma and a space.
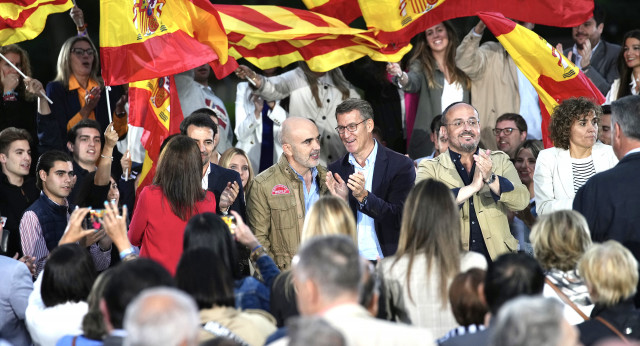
45, 221
510, 131
280, 196
374, 180
485, 184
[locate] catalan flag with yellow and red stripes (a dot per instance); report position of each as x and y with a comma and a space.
272, 36
397, 21
554, 76
145, 39
344, 10
154, 105
22, 20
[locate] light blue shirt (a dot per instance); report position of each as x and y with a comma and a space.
313, 194
529, 107
367, 239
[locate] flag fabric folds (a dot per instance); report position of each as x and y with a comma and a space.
272, 36
344, 10
24, 20
400, 20
554, 77
154, 105
145, 39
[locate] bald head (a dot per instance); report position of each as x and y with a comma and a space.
292, 124
463, 127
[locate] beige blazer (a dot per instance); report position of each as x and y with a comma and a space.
553, 177
491, 215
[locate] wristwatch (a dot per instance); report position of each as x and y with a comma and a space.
491, 179
364, 201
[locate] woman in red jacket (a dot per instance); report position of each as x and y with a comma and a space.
163, 209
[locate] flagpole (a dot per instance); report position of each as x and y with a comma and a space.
108, 88
23, 75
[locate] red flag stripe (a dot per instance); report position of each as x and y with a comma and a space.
251, 17
345, 10
141, 61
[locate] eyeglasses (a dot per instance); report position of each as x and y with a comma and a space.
459, 123
351, 127
81, 52
507, 131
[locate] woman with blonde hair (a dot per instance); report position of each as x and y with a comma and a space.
236, 159
78, 93
429, 256
559, 240
611, 274
328, 216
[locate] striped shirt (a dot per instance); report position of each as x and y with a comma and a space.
583, 169
33, 244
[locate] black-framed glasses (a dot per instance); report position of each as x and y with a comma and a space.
507, 131
351, 127
81, 52
473, 122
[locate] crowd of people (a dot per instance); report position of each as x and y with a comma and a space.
372, 204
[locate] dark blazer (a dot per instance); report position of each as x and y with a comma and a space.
609, 201
604, 68
480, 338
52, 128
218, 179
393, 178
623, 316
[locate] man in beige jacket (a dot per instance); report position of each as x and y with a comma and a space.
485, 183
279, 197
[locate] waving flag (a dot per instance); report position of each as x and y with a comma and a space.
154, 105
24, 20
397, 21
145, 39
272, 36
344, 10
554, 76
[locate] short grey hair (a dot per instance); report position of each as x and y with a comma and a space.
540, 325
626, 112
162, 316
362, 106
313, 331
332, 263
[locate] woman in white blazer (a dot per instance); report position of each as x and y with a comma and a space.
249, 124
575, 157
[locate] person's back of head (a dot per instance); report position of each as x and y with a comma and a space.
464, 295
129, 279
203, 275
509, 276
208, 230
68, 275
332, 265
626, 113
313, 331
329, 215
162, 316
533, 321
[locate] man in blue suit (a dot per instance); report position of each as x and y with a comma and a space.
225, 184
374, 180
14, 295
609, 200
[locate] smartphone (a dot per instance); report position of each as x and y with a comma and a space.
230, 220
93, 219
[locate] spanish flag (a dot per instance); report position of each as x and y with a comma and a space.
272, 36
554, 76
344, 10
145, 39
24, 20
397, 21
154, 105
